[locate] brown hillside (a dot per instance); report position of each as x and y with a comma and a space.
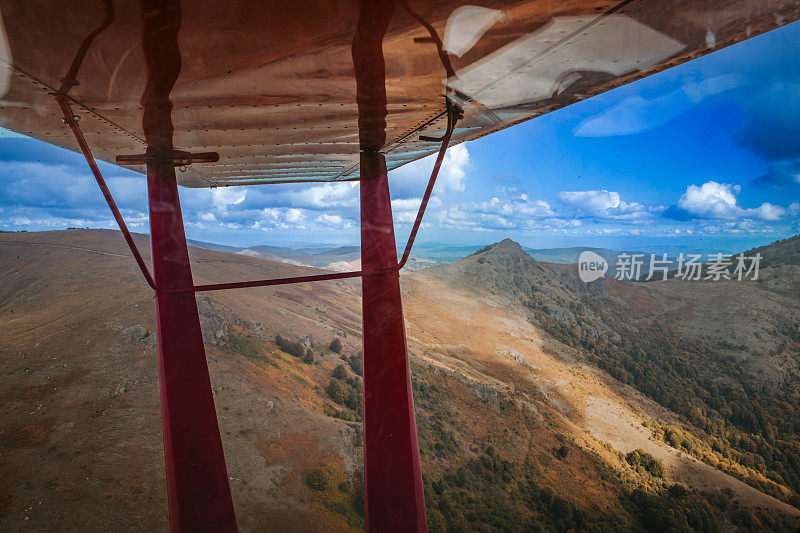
496, 391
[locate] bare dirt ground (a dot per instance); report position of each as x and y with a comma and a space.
80, 430
80, 434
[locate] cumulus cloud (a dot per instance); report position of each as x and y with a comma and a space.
285, 206
44, 196
323, 196
333, 221
603, 204
405, 210
516, 207
454, 169
273, 217
510, 210
410, 180
466, 217
713, 200
591, 201
767, 211
225, 197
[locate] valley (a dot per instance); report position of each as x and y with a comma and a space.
531, 402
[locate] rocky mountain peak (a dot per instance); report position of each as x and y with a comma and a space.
504, 247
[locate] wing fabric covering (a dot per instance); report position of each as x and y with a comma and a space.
270, 86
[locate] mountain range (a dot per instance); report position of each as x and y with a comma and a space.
340, 258
543, 402
344, 258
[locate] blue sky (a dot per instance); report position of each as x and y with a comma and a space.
705, 156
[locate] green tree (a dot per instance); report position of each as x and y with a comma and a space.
641, 458
436, 521
337, 391
340, 372
357, 364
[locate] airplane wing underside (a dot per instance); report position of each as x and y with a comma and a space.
270, 86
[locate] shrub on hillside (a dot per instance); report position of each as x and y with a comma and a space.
336, 346
346, 391
357, 364
562, 452
340, 372
317, 479
336, 391
641, 458
291, 347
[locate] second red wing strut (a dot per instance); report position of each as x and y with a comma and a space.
393, 494
393, 479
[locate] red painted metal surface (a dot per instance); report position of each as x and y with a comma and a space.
197, 478
394, 499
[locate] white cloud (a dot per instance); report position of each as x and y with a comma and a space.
294, 215
405, 210
292, 207
520, 206
224, 197
510, 210
603, 204
410, 180
711, 200
714, 200
453, 173
464, 217
324, 196
276, 217
407, 204
769, 211
333, 221
591, 201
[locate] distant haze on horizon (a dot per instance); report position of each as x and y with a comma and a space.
434, 249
